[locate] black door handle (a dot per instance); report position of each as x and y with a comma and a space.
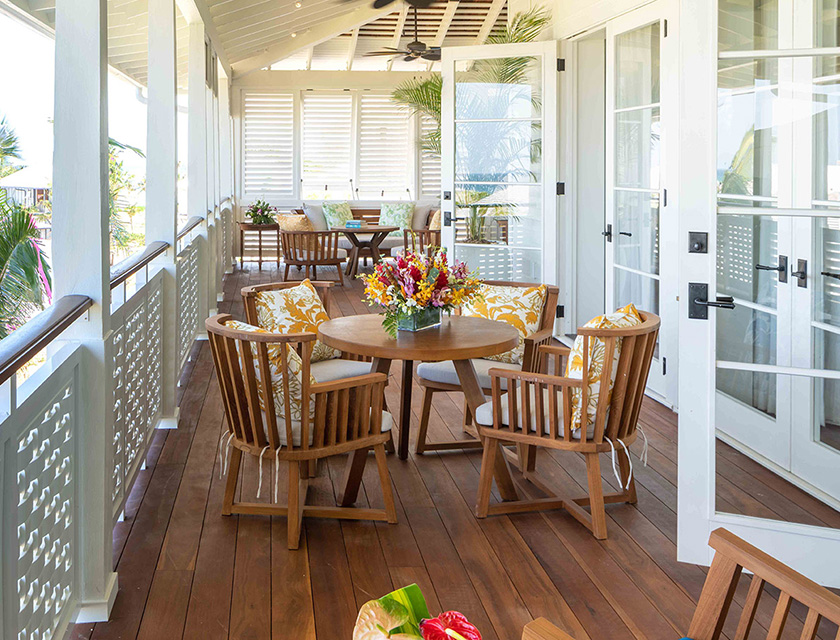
801, 273
781, 268
828, 274
764, 267
625, 233
721, 302
608, 233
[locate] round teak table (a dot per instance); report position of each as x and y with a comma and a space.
458, 338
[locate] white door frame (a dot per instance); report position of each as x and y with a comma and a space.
814, 551
548, 51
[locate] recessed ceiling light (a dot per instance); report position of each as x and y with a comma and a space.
294, 35
298, 5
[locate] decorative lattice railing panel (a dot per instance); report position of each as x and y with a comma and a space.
188, 283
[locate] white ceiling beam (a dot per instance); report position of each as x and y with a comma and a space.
490, 19
443, 27
309, 53
196, 11
351, 50
395, 41
362, 13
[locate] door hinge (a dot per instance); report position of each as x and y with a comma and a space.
664, 365
665, 28
561, 64
561, 311
561, 188
664, 197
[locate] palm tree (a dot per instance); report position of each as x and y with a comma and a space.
9, 148
25, 282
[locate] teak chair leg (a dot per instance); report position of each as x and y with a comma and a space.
485, 481
340, 275
624, 472
294, 511
389, 443
232, 480
596, 496
286, 273
385, 480
353, 477
424, 419
527, 458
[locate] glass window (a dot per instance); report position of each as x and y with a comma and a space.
637, 67
747, 25
825, 108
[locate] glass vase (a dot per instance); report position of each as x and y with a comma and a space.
418, 320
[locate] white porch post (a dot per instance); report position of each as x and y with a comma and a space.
226, 168
197, 157
162, 185
81, 265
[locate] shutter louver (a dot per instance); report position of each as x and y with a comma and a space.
268, 145
384, 148
429, 163
327, 146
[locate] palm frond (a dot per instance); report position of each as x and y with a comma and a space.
9, 146
525, 26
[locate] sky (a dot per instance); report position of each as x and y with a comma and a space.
26, 99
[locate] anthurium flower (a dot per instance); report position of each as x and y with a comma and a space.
377, 618
449, 625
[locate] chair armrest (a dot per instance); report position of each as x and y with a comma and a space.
542, 629
347, 383
547, 351
540, 378
534, 342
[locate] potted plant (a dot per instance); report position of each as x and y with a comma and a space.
413, 289
260, 212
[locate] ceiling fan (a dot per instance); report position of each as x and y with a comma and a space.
414, 50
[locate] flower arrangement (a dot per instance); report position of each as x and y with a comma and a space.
415, 288
261, 212
404, 615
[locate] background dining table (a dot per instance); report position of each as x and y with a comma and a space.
458, 338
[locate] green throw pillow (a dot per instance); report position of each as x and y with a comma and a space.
396, 214
338, 214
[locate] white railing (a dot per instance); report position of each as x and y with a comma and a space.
187, 267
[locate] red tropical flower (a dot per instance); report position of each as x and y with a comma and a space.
449, 625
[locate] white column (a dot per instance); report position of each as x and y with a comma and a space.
80, 263
226, 168
162, 184
197, 202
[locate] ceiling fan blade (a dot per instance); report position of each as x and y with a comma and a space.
432, 55
384, 53
420, 4
410, 58
379, 4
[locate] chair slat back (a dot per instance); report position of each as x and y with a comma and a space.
734, 555
420, 241
340, 412
311, 247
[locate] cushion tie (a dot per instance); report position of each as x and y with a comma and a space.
644, 456
615, 469
225, 457
276, 474
259, 484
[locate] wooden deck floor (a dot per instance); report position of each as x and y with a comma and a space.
185, 571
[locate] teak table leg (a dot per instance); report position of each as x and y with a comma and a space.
475, 398
405, 407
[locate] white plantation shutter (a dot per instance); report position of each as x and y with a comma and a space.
268, 145
429, 164
327, 145
384, 148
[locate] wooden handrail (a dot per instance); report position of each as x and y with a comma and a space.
21, 346
192, 223
124, 270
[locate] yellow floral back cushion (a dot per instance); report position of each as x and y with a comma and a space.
295, 310
625, 317
520, 307
275, 363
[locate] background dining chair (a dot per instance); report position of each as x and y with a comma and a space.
435, 377
310, 250
416, 241
536, 410
342, 416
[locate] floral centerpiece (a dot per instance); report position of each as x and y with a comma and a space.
404, 615
413, 289
260, 212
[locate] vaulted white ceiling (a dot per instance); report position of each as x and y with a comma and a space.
292, 34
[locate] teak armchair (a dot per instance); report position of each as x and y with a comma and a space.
347, 418
734, 555
540, 405
529, 363
310, 250
417, 241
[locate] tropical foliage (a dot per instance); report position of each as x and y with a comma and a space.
124, 190
9, 149
25, 282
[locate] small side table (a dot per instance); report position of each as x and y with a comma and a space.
259, 228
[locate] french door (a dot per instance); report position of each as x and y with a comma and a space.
499, 159
641, 224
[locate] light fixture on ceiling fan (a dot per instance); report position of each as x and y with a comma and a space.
414, 50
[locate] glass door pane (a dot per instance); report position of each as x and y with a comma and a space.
498, 166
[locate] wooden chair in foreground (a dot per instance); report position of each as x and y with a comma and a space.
347, 417
310, 250
440, 376
734, 555
536, 407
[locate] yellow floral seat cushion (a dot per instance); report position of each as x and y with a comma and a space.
295, 310
627, 316
275, 361
521, 307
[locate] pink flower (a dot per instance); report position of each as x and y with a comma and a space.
449, 625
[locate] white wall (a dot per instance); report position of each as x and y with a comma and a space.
572, 17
